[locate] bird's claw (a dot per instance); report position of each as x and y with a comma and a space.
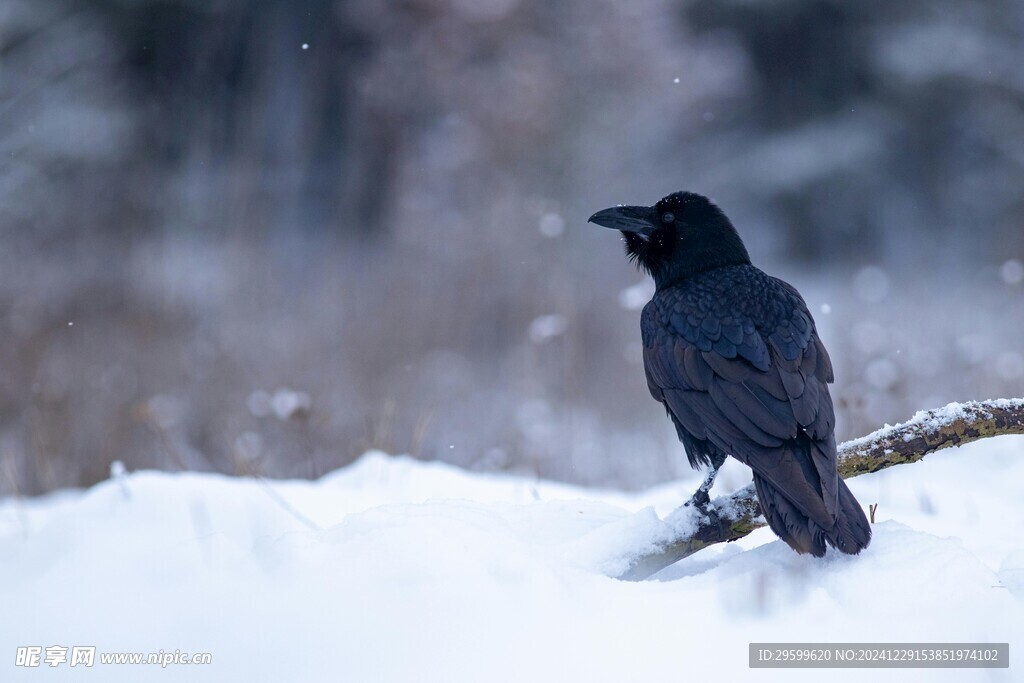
701, 501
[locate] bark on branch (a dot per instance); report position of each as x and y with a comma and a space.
736, 515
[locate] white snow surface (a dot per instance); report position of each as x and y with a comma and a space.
394, 569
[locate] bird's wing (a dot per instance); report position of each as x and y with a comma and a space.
749, 388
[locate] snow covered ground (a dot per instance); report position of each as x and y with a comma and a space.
398, 570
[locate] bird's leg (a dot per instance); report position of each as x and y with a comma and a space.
701, 498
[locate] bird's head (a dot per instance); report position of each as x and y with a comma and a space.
682, 235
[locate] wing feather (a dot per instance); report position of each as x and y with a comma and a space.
747, 386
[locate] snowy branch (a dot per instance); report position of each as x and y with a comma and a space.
736, 515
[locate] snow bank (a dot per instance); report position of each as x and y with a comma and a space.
398, 570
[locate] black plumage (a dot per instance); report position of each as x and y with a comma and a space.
734, 356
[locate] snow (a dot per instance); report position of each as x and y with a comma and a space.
284, 403
394, 569
551, 225
635, 297
930, 421
871, 284
1011, 272
547, 326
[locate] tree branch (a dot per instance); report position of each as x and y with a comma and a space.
736, 515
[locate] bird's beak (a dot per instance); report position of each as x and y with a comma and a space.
635, 219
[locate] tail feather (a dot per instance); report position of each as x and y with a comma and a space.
849, 534
852, 533
787, 521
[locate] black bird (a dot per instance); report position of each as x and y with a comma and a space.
734, 356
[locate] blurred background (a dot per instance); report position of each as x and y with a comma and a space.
264, 237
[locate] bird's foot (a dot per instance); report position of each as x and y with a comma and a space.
701, 501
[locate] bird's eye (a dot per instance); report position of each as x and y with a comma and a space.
667, 217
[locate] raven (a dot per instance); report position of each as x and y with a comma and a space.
734, 356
